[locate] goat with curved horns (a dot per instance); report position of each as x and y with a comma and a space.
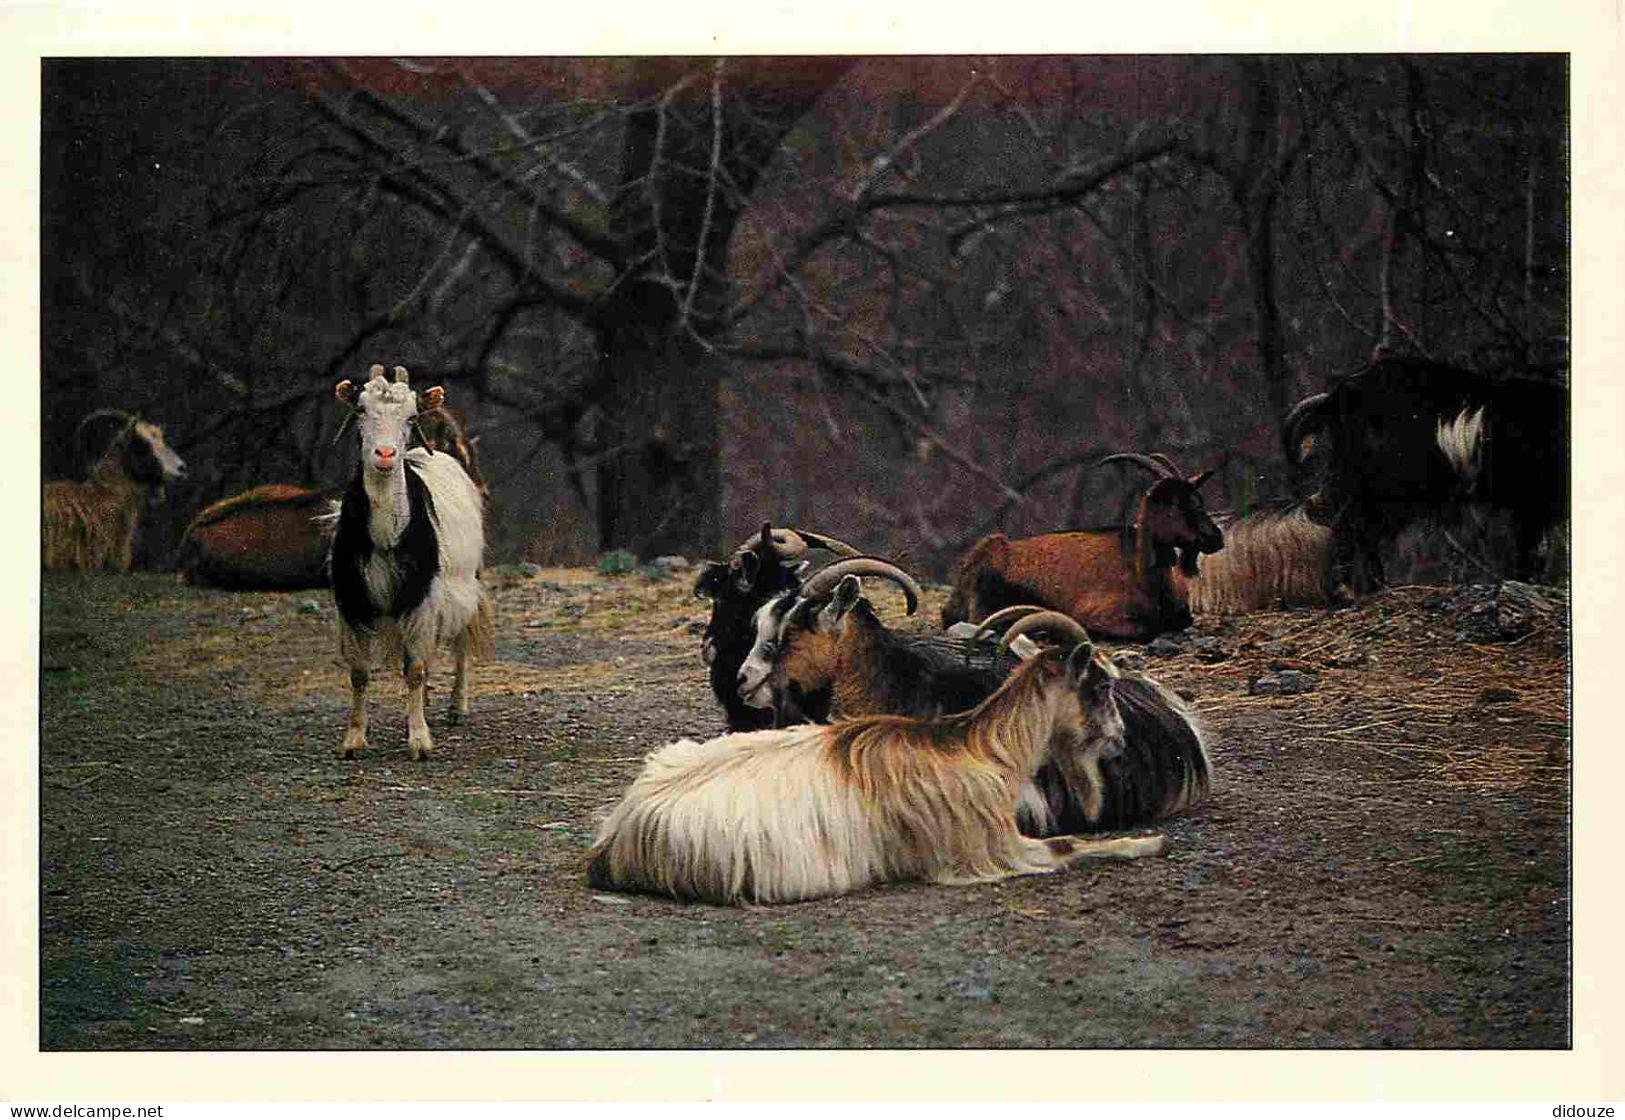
91, 524
1409, 438
811, 811
826, 656
760, 568
1125, 582
406, 556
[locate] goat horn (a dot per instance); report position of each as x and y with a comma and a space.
1148, 462
400, 375
1159, 457
996, 621
1293, 428
785, 543
1051, 621
824, 580
827, 543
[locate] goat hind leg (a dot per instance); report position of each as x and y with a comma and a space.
458, 712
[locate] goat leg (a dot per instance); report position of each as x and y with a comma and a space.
355, 732
458, 712
1069, 849
418, 741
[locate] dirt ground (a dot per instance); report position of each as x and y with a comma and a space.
1383, 862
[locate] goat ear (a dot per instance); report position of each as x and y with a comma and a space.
846, 596
432, 398
1200, 477
345, 391
750, 566
1081, 661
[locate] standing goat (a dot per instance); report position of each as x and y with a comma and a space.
278, 536
1125, 582
91, 524
824, 655
1409, 439
406, 556
806, 812
759, 569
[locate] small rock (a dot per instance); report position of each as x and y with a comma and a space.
1209, 650
671, 563
1283, 683
1164, 647
1129, 660
1354, 659
309, 606
1279, 648
1497, 696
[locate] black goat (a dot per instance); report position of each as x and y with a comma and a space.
1410, 438
762, 567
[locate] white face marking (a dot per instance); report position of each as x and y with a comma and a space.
755, 675
170, 463
386, 410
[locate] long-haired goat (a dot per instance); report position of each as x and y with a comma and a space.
406, 556
760, 568
811, 811
1125, 582
1271, 558
273, 537
91, 524
825, 655
1410, 438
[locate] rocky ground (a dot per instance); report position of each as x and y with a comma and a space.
1384, 861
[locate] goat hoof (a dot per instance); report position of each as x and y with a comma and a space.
350, 748
455, 715
420, 749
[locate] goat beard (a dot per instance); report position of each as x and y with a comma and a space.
1188, 558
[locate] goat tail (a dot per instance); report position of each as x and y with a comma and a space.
1270, 559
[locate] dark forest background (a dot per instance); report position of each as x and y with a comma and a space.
900, 300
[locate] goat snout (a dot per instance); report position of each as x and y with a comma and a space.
753, 689
383, 456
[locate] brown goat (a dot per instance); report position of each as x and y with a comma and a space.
1125, 582
270, 537
91, 524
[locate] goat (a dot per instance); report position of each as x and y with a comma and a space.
407, 548
758, 569
1124, 582
806, 812
1271, 558
440, 430
273, 537
1409, 439
825, 655
277, 536
91, 524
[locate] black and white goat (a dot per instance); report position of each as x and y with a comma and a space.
823, 654
1408, 439
406, 556
91, 524
763, 566
807, 812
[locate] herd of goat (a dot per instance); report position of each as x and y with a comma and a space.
1003, 744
